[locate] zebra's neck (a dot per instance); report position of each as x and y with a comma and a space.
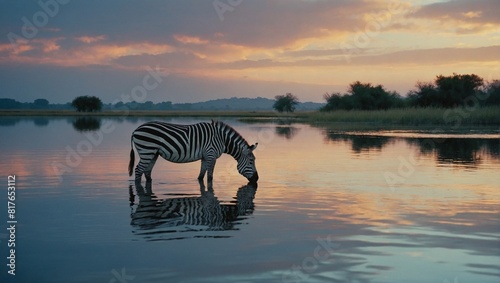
233, 141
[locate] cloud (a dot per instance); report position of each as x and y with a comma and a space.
176, 61
336, 57
462, 16
90, 39
435, 56
261, 43
186, 39
258, 23
65, 52
254, 30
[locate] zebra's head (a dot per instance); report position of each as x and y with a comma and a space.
246, 164
236, 146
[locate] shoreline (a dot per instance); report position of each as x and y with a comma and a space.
484, 116
140, 113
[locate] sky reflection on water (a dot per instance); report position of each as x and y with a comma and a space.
330, 207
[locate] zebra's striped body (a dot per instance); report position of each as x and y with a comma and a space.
188, 143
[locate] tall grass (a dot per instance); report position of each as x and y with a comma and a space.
413, 116
489, 115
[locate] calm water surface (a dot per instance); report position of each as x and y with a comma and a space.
330, 206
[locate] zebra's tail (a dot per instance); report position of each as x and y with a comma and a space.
132, 159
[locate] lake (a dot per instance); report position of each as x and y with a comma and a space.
332, 205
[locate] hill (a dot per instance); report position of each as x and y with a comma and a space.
236, 103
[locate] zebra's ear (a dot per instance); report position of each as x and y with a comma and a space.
254, 146
214, 122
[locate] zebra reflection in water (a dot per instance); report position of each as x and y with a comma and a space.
158, 219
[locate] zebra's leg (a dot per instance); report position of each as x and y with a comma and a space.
147, 171
144, 165
203, 169
139, 169
210, 170
207, 165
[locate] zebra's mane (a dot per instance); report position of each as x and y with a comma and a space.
232, 138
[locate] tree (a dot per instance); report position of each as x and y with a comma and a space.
285, 103
363, 96
446, 91
369, 97
492, 93
9, 103
454, 89
337, 101
424, 96
87, 104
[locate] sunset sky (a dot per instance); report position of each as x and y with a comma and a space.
60, 49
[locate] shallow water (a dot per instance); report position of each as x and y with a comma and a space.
330, 206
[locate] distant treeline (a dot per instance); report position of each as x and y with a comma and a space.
445, 91
225, 104
9, 103
41, 103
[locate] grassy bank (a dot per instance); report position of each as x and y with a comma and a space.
407, 116
413, 116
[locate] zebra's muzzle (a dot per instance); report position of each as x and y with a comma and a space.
254, 178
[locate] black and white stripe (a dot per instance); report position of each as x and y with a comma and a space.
188, 143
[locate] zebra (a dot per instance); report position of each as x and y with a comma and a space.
187, 143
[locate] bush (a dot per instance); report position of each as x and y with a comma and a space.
363, 96
337, 101
285, 103
446, 91
424, 96
87, 104
493, 93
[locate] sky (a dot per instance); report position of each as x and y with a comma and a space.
191, 51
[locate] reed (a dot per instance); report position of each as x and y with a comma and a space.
489, 115
413, 116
